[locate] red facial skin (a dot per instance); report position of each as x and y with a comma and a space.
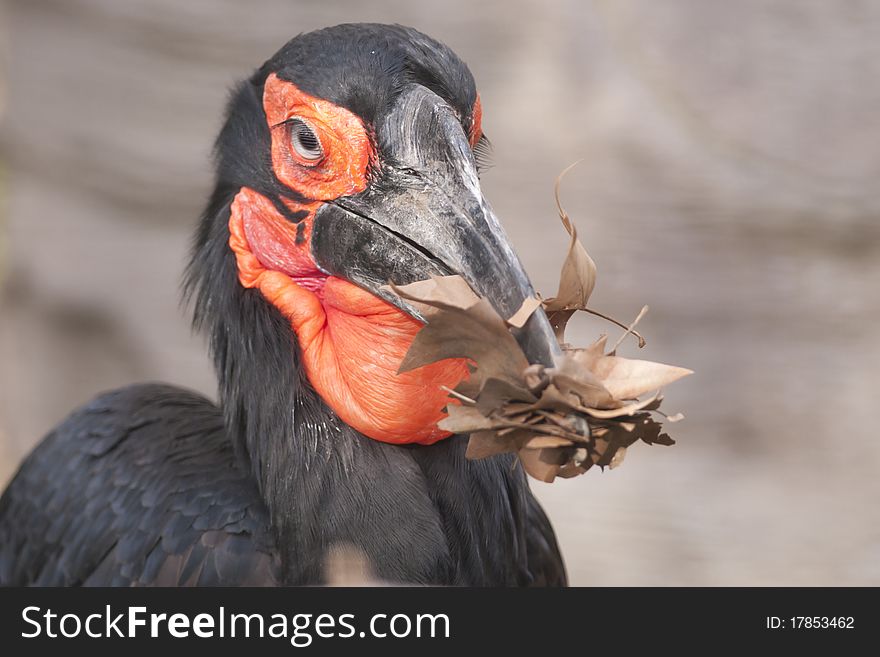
352, 342
476, 130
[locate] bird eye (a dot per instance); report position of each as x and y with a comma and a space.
305, 141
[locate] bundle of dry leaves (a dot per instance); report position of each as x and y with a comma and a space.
560, 421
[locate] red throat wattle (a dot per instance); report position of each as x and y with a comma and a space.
352, 342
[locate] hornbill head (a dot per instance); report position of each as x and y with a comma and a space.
347, 162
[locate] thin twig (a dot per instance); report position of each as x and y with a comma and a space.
458, 395
629, 330
642, 341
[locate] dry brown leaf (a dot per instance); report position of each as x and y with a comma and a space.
483, 444
553, 399
521, 316
578, 276
571, 469
561, 420
617, 459
623, 411
627, 378
463, 419
448, 290
662, 439
458, 330
496, 392
570, 376
559, 321
539, 463
591, 353
539, 442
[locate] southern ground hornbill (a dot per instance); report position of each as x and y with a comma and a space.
345, 162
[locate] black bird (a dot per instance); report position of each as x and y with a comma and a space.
345, 162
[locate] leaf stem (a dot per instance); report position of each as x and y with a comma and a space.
630, 330
642, 341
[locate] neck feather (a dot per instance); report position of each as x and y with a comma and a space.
421, 514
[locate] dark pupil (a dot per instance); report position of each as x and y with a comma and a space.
306, 139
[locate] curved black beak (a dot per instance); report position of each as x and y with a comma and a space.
425, 215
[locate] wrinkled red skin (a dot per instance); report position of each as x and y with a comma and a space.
476, 130
352, 342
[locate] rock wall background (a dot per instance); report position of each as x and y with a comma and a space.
730, 180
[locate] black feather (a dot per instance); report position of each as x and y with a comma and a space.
152, 485
96, 500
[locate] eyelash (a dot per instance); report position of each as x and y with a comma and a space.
483, 153
290, 126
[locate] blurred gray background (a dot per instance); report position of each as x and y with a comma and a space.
730, 179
